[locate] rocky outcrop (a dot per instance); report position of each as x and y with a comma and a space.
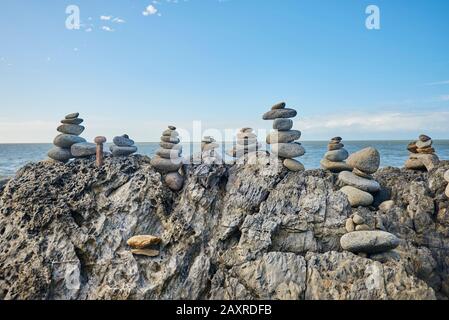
254, 230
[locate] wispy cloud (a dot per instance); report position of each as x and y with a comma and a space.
105, 18
439, 83
150, 10
107, 29
118, 20
444, 97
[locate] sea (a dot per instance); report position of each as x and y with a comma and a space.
393, 153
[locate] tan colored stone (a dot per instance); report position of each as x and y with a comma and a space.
335, 166
356, 197
143, 241
362, 227
293, 165
350, 227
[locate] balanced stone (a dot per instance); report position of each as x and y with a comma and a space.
174, 181
335, 146
358, 219
282, 124
420, 144
60, 154
350, 225
424, 138
168, 145
71, 129
351, 179
280, 105
246, 130
335, 166
366, 160
123, 141
83, 149
362, 227
122, 151
143, 241
293, 165
67, 140
288, 150
170, 139
280, 113
72, 115
246, 135
337, 139
170, 133
362, 174
336, 155
166, 165
283, 136
422, 154
356, 197
169, 153
375, 241
72, 121
172, 128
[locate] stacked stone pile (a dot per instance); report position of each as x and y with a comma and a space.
144, 245
123, 146
282, 139
69, 144
446, 177
422, 154
334, 158
168, 159
246, 143
360, 184
208, 154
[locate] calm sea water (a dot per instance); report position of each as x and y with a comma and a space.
393, 153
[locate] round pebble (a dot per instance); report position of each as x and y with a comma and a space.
280, 105
67, 140
283, 136
351, 179
280, 113
282, 124
366, 160
288, 150
174, 181
357, 198
71, 129
83, 149
60, 154
293, 165
375, 241
336, 155
72, 115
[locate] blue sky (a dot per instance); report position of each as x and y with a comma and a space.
224, 63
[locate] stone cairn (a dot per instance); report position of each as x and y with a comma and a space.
422, 154
360, 184
446, 177
123, 146
246, 143
208, 153
334, 158
69, 144
282, 138
168, 159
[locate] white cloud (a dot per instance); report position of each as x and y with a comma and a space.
118, 20
444, 97
107, 29
105, 18
89, 29
150, 10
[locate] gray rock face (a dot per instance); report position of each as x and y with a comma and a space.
71, 129
349, 178
122, 151
288, 150
123, 141
83, 149
336, 155
280, 113
369, 241
60, 154
282, 124
283, 136
67, 140
252, 230
366, 160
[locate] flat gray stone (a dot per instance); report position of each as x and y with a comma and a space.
72, 115
172, 127
67, 140
246, 130
71, 129
170, 139
122, 151
209, 146
420, 144
168, 145
166, 165
72, 121
123, 141
246, 135
336, 155
240, 150
357, 198
351, 179
174, 181
335, 166
282, 124
288, 150
335, 146
366, 160
246, 142
293, 165
283, 136
280, 105
83, 149
280, 113
60, 154
375, 241
170, 133
169, 153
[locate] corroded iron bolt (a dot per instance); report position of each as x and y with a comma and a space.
99, 141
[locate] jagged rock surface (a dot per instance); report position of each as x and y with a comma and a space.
253, 230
